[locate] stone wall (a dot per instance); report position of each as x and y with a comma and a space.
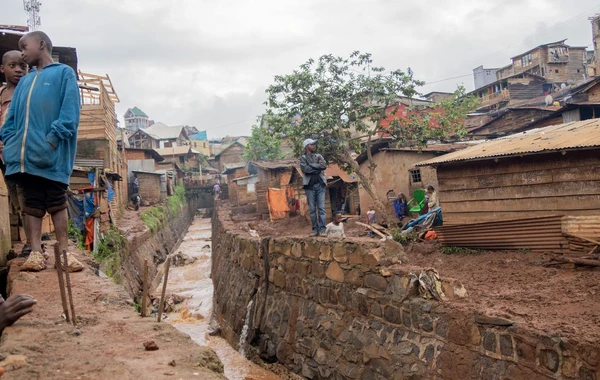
332, 309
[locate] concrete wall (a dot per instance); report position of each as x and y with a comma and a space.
329, 309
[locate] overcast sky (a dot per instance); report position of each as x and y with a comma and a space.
207, 63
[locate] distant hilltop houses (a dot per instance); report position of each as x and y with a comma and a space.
136, 119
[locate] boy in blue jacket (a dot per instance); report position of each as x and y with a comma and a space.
40, 140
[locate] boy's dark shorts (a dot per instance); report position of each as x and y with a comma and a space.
41, 194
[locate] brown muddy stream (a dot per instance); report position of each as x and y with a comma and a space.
193, 282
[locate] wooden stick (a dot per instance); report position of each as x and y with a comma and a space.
372, 229
161, 305
145, 290
69, 292
593, 250
61, 283
584, 238
591, 263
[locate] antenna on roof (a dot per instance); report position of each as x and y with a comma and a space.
32, 7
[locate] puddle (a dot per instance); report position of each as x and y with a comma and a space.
193, 282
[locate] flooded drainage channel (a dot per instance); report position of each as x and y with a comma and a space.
192, 281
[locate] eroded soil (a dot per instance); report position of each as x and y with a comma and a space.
515, 285
109, 343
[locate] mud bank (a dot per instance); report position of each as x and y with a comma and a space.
153, 247
332, 309
109, 343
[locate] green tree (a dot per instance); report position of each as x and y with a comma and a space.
347, 103
263, 144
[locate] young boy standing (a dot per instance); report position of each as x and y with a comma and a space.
40, 137
336, 228
14, 68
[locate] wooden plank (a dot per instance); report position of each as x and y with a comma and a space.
467, 217
536, 177
585, 158
371, 228
582, 202
561, 189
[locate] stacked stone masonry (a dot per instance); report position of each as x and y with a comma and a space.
341, 309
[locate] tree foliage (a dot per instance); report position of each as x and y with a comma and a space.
263, 144
347, 103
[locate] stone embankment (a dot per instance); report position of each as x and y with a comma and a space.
330, 309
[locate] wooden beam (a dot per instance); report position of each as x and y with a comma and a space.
372, 229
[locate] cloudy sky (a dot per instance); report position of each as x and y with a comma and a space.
207, 62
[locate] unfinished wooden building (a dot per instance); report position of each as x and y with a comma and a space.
97, 138
551, 171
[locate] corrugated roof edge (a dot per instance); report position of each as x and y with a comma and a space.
548, 139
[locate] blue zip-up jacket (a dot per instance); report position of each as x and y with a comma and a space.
44, 110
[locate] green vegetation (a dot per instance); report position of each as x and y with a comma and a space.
110, 253
76, 235
263, 144
154, 217
176, 201
460, 251
403, 239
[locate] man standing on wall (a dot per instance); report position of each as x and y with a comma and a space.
313, 166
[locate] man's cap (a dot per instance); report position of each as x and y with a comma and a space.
309, 142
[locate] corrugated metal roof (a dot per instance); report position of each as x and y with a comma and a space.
275, 164
174, 151
333, 170
162, 131
90, 163
575, 135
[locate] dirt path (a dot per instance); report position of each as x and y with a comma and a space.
110, 345
515, 286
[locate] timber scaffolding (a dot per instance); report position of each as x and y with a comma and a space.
97, 137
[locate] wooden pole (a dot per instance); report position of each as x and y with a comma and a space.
161, 305
372, 229
69, 292
61, 283
145, 290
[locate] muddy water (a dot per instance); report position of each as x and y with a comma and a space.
193, 282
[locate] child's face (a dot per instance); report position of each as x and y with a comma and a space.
14, 68
371, 208
31, 48
337, 219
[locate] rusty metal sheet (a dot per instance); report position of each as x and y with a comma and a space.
575, 135
543, 233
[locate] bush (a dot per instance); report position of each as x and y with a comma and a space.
76, 236
154, 218
401, 238
177, 200
110, 252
